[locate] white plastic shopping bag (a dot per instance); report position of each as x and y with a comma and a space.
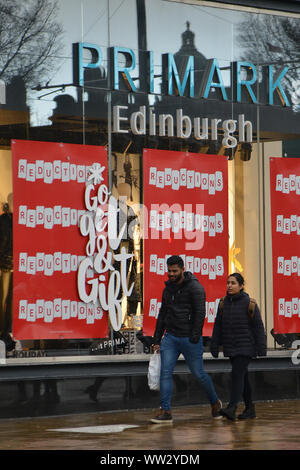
154, 371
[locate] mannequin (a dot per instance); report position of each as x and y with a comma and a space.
6, 269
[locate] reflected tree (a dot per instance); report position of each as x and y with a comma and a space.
30, 38
273, 39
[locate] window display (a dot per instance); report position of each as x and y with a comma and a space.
6, 271
215, 85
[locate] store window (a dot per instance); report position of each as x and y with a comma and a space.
240, 75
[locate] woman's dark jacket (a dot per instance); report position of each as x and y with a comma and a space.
182, 311
236, 331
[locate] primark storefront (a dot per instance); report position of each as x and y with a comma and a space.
132, 130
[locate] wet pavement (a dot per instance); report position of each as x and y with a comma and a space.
275, 428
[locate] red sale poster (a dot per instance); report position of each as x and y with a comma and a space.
285, 214
186, 214
49, 181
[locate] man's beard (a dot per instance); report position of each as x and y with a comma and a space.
175, 279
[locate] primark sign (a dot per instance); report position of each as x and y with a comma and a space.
122, 63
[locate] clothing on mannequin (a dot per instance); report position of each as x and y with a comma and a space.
6, 268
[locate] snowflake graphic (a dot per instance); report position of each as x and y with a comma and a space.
96, 173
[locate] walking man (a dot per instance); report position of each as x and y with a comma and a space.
180, 320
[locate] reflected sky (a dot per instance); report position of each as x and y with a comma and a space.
215, 29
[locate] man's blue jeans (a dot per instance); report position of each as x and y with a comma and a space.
170, 349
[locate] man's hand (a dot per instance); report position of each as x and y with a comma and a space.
156, 347
194, 339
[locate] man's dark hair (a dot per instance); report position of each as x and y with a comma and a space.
175, 260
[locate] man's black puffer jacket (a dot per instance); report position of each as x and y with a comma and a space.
182, 311
234, 329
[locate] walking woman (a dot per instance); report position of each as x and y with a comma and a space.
242, 335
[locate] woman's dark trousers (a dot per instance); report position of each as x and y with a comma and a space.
240, 385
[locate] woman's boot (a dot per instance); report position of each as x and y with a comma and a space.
249, 412
229, 412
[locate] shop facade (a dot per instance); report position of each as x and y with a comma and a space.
133, 130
